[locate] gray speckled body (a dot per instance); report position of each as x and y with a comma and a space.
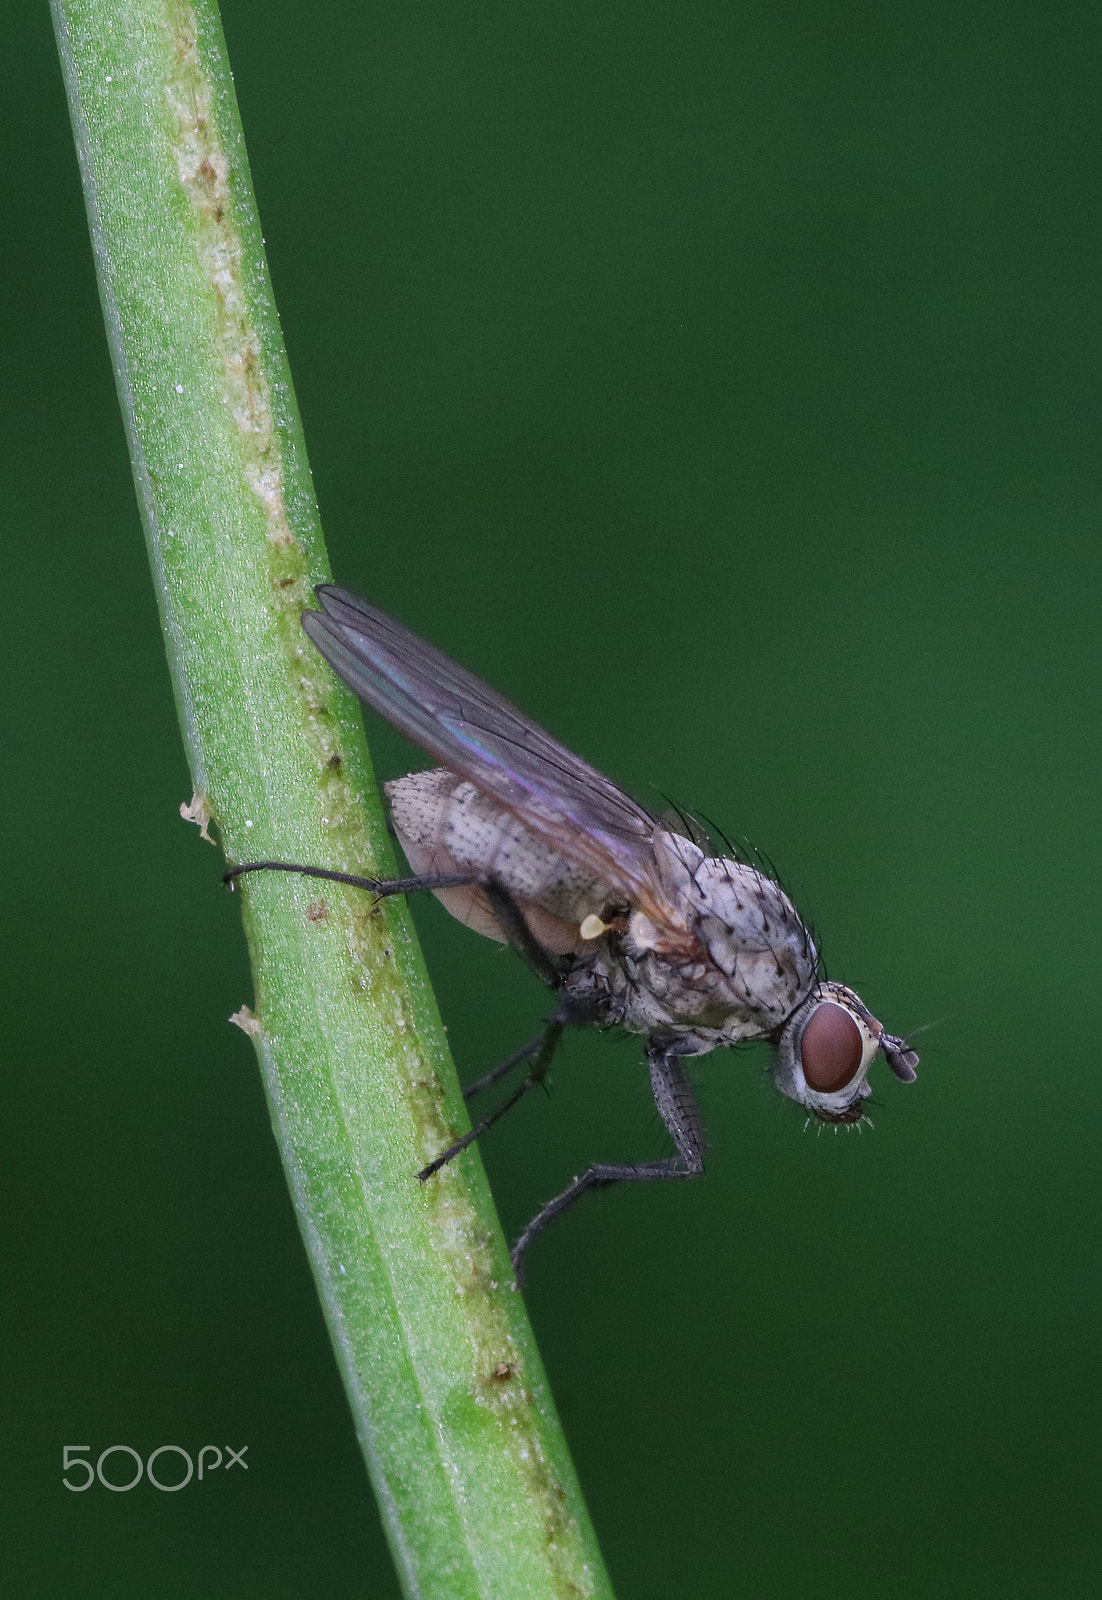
629, 921
730, 961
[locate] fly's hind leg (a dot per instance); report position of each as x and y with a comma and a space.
673, 1096
379, 887
519, 936
510, 918
514, 925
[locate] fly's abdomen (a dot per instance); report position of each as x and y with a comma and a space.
444, 824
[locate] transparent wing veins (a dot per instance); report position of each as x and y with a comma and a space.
474, 731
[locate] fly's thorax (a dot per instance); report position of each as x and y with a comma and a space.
445, 825
824, 1053
745, 952
657, 994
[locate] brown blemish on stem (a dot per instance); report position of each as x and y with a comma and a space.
204, 176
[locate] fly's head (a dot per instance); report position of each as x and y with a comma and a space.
824, 1052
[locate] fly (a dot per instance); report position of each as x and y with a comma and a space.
626, 919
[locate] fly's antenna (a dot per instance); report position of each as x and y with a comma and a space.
923, 1027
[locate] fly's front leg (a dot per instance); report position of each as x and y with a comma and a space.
673, 1096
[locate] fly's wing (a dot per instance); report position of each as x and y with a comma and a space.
475, 732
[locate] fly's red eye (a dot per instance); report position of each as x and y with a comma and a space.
830, 1049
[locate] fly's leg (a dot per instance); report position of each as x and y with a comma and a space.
573, 1011
673, 1096
588, 1007
488, 1079
576, 1010
510, 917
380, 887
543, 1049
513, 924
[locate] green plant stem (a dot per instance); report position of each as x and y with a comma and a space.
450, 1401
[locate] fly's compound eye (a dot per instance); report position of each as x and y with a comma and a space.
831, 1048
824, 1050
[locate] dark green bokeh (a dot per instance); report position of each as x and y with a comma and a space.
721, 382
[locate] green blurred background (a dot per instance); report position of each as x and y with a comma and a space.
721, 382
